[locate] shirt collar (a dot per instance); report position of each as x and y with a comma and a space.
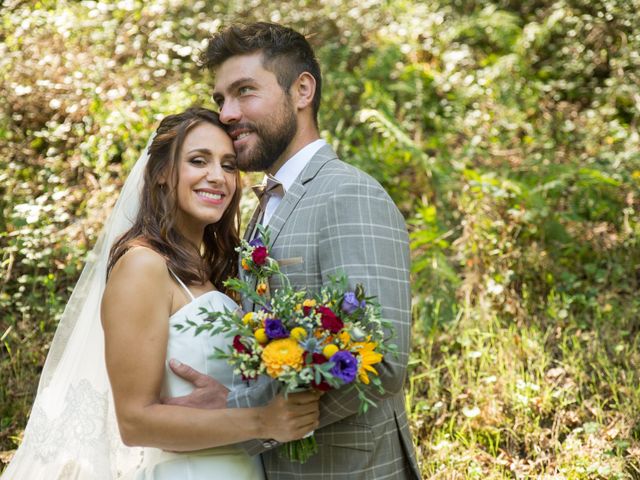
294, 166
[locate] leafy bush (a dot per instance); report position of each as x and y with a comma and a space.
506, 132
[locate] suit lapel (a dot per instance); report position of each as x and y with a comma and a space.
297, 191
287, 205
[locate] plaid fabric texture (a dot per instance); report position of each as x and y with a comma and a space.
338, 219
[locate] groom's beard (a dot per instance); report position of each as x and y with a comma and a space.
273, 137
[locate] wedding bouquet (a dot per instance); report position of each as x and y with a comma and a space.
328, 340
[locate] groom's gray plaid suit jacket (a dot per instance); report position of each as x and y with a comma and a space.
337, 218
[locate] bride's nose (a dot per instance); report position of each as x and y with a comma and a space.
215, 173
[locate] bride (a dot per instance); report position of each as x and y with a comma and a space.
179, 208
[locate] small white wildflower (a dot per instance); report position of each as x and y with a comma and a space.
471, 412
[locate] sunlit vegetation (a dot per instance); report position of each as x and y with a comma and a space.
506, 132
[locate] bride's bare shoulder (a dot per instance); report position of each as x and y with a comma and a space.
140, 263
138, 287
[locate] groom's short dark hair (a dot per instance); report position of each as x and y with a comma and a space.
286, 53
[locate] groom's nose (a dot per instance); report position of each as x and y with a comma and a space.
230, 112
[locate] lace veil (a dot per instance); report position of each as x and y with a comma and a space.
72, 431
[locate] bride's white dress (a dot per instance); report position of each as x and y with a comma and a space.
219, 463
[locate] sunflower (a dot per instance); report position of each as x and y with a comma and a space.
368, 357
281, 353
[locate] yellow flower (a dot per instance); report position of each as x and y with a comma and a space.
284, 352
261, 336
345, 338
298, 307
245, 264
329, 350
261, 289
368, 357
298, 333
248, 318
309, 302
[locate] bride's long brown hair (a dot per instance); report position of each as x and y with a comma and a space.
155, 224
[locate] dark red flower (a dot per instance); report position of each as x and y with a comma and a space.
307, 311
238, 345
323, 386
259, 255
329, 320
318, 359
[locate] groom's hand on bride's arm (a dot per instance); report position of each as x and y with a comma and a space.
207, 392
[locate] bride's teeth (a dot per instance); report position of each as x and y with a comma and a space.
213, 196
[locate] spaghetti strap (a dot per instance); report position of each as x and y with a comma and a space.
182, 284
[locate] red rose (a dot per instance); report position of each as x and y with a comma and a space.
238, 345
307, 311
329, 320
259, 255
318, 359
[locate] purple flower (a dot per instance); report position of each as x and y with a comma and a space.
275, 329
257, 242
267, 307
350, 303
346, 366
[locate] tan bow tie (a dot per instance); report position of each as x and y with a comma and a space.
264, 191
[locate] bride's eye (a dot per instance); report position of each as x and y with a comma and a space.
197, 161
230, 167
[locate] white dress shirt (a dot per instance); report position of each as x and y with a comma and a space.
289, 172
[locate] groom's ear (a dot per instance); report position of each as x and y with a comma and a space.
304, 88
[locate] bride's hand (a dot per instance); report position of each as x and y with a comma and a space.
291, 418
207, 391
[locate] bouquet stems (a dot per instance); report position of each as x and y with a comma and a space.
300, 450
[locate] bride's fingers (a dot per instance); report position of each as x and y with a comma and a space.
296, 411
309, 421
308, 409
304, 397
306, 418
309, 425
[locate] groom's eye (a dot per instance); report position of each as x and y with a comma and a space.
218, 100
243, 90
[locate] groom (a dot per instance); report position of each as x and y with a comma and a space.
329, 218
